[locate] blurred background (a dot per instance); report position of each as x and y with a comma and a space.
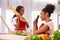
32, 9
59, 14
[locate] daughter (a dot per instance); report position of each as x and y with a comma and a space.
21, 23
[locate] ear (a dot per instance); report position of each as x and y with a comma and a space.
46, 14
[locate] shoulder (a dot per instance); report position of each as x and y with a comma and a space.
50, 24
23, 19
15, 18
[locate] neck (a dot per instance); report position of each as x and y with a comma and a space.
47, 19
20, 15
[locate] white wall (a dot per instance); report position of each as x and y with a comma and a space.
7, 15
37, 7
32, 9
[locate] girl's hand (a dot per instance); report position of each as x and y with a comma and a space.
22, 19
27, 24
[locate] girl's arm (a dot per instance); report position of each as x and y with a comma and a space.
27, 24
17, 22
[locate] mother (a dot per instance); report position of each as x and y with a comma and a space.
47, 28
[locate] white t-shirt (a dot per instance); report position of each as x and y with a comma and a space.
14, 20
51, 27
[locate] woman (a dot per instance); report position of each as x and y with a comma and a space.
20, 24
46, 28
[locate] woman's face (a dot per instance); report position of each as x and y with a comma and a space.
43, 15
21, 11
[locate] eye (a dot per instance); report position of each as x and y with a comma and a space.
22, 10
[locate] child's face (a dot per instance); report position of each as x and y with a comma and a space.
21, 11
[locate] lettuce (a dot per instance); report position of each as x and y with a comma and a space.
56, 35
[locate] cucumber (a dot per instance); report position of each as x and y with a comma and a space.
37, 17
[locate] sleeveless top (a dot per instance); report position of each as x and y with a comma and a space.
50, 30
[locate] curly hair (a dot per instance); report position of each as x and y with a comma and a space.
49, 8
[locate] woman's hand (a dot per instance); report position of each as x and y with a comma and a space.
35, 22
35, 26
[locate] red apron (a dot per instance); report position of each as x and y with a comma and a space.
21, 25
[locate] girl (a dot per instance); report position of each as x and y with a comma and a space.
46, 28
21, 23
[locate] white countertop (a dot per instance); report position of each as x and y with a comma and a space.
11, 37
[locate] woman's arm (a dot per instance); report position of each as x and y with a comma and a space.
34, 29
35, 26
41, 30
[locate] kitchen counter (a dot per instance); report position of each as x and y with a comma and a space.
11, 37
